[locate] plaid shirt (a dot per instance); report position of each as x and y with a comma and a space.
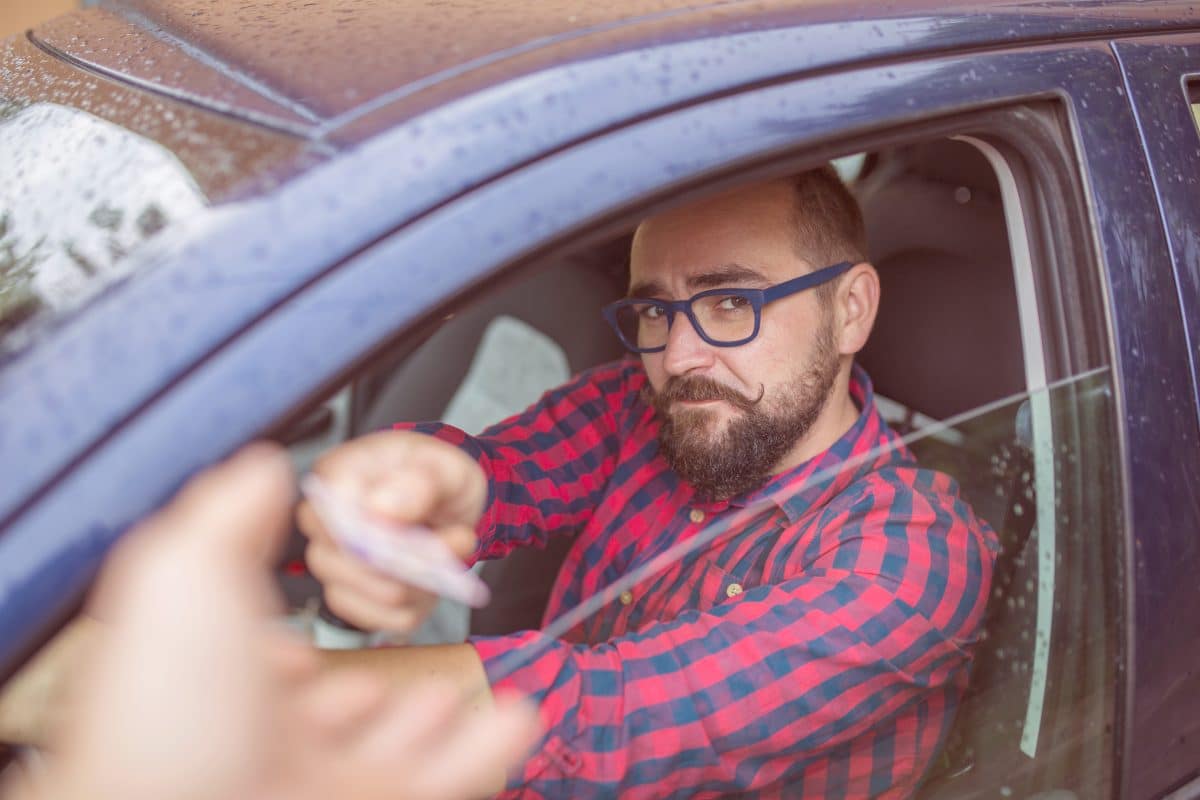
817, 650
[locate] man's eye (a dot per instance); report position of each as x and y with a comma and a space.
732, 302
652, 313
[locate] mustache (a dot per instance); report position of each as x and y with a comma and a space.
699, 389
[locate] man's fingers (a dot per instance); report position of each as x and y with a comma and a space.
406, 495
461, 540
460, 482
407, 477
335, 568
311, 524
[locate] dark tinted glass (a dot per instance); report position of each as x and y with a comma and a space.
1038, 713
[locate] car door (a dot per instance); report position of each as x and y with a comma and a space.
1162, 74
1053, 123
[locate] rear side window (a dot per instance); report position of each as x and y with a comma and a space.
78, 195
93, 169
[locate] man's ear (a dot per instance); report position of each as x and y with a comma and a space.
858, 302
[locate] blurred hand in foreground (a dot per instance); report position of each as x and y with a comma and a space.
190, 693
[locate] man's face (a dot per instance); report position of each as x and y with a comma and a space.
730, 415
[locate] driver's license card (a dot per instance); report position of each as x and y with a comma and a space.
412, 554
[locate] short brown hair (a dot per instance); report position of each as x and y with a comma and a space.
828, 222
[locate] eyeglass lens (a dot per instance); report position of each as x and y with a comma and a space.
722, 318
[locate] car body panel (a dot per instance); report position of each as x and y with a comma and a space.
103, 40
97, 426
1164, 566
354, 68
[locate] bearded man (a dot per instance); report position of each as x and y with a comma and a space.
818, 645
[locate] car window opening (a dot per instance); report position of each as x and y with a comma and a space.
958, 363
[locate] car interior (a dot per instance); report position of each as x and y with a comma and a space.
948, 339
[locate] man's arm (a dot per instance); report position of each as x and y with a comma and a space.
456, 667
521, 482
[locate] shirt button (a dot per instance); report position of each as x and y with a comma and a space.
696, 516
733, 590
626, 597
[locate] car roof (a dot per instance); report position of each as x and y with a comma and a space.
319, 67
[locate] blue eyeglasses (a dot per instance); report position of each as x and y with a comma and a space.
722, 317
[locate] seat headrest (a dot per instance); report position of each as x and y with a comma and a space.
947, 337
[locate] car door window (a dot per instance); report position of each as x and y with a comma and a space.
954, 359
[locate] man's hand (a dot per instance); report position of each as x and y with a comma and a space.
399, 477
189, 691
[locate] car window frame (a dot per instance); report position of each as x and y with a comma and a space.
1163, 74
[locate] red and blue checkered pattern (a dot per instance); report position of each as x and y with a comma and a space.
815, 651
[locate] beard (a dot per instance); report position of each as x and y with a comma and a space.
743, 456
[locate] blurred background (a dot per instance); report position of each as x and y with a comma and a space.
19, 15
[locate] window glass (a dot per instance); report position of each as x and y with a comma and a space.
78, 195
92, 169
1038, 713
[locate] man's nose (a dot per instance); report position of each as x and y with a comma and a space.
685, 350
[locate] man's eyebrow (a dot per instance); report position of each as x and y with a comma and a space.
646, 289
728, 275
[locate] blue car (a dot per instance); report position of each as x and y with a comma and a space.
219, 223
